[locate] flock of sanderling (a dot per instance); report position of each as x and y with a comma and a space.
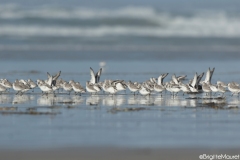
94, 86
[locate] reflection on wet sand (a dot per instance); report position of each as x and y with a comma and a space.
93, 100
44, 101
17, 99
5, 99
118, 100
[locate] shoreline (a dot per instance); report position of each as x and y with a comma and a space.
104, 153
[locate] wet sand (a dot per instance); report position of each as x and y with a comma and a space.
106, 153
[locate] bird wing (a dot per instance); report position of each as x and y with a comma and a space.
174, 79
199, 77
98, 74
49, 81
164, 75
179, 78
194, 81
208, 75
211, 73
57, 75
48, 75
159, 82
93, 79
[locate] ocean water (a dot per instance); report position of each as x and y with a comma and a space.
135, 40
86, 31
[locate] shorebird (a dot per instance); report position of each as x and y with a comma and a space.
133, 87
184, 87
221, 88
159, 88
5, 83
144, 91
20, 87
90, 88
206, 88
67, 87
77, 88
31, 84
213, 88
175, 89
234, 88
111, 88
119, 85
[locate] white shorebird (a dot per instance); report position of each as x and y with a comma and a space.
67, 87
175, 89
5, 83
184, 87
76, 86
213, 88
111, 88
133, 87
206, 88
159, 88
234, 88
144, 91
221, 88
119, 85
20, 87
90, 88
31, 84
44, 87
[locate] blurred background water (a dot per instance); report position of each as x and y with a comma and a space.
136, 40
139, 30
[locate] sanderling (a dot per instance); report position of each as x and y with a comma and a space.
20, 87
44, 87
67, 87
132, 87
175, 89
5, 83
144, 91
213, 88
234, 88
31, 84
221, 88
184, 87
77, 88
159, 88
90, 87
206, 88
111, 88
120, 85
221, 83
